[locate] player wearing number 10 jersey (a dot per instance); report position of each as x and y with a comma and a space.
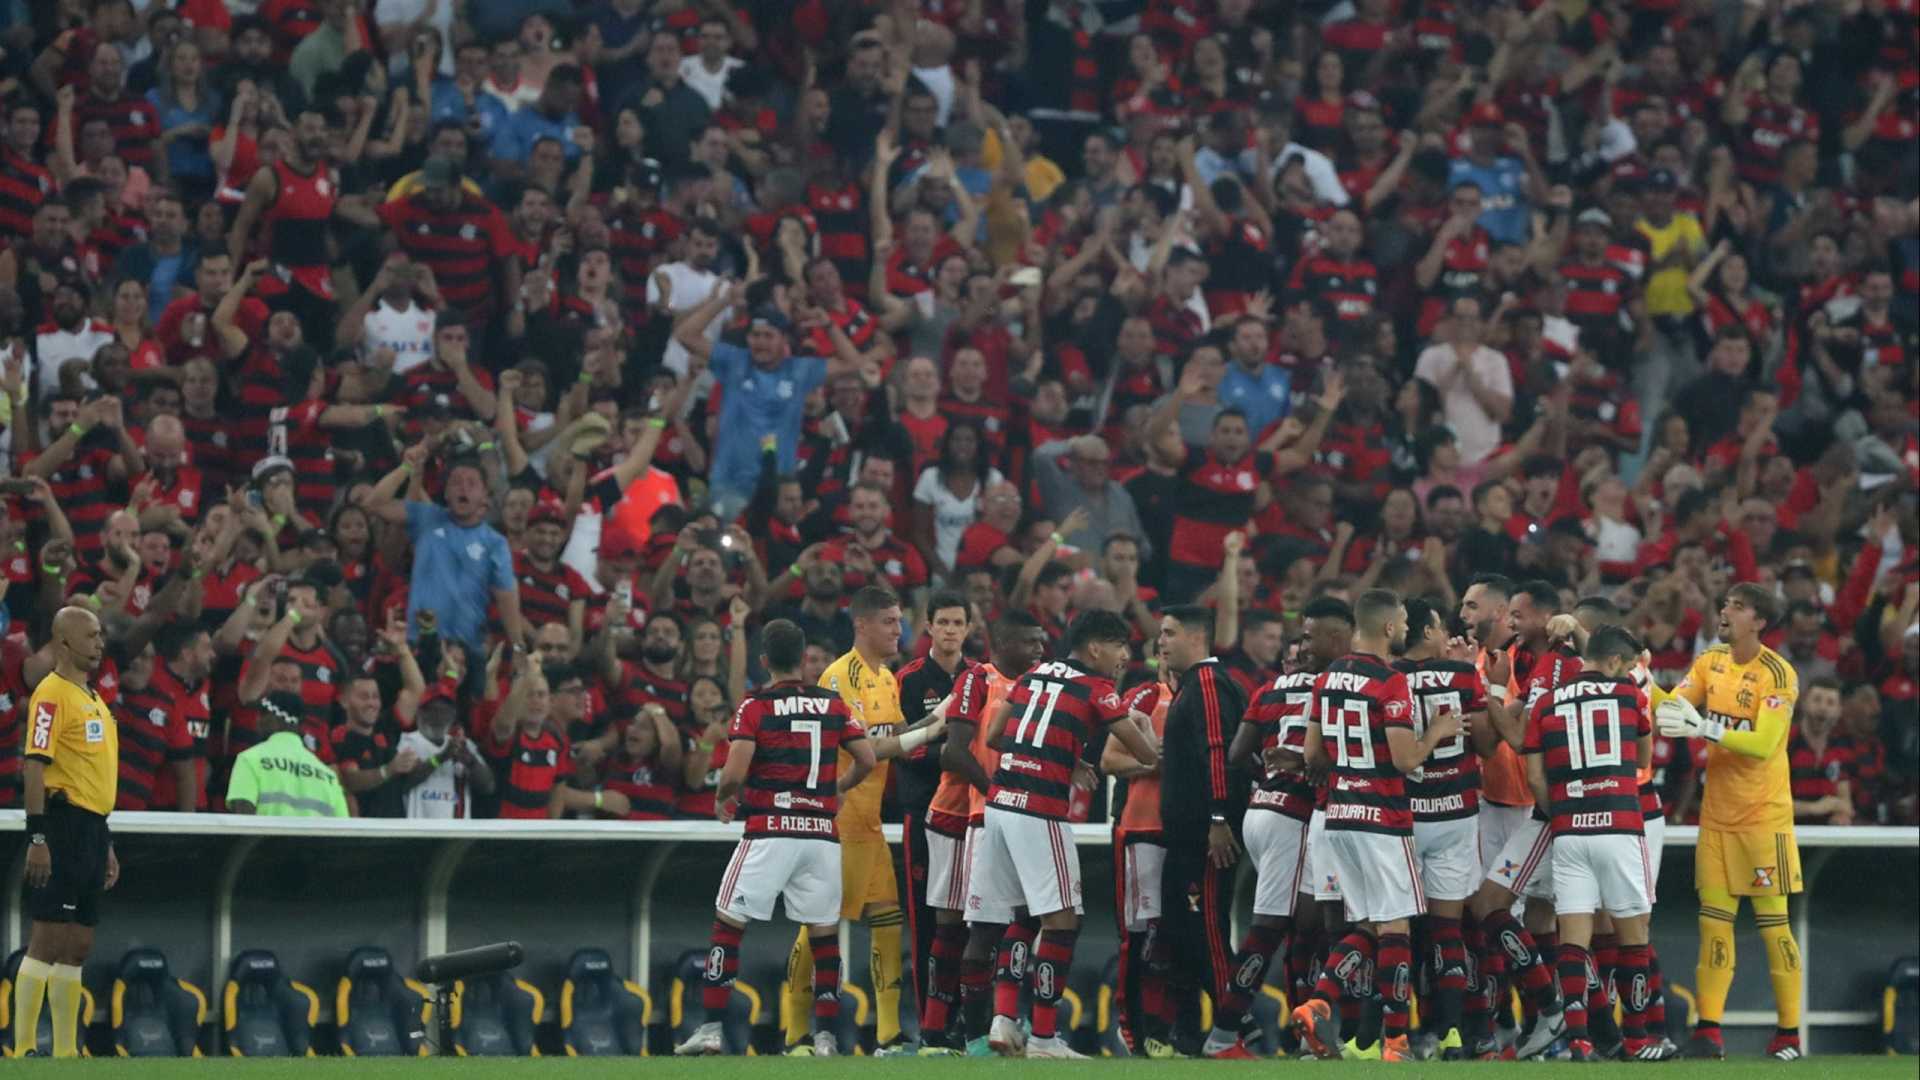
783, 763
1027, 857
1361, 717
1584, 744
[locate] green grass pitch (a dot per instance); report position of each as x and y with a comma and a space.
1827, 1068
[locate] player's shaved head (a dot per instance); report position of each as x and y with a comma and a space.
782, 644
1019, 642
1373, 611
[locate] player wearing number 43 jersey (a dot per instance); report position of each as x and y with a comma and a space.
1026, 858
1746, 846
1361, 719
1584, 744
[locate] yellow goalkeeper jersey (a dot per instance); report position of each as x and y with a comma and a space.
874, 697
1750, 791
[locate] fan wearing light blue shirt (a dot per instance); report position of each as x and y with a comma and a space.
1263, 391
764, 390
551, 117
461, 564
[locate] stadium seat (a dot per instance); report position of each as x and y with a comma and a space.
264, 1013
601, 1015
1900, 1007
152, 1013
379, 1013
495, 1016
44, 1037
684, 1012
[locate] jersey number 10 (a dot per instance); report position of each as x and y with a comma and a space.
1593, 732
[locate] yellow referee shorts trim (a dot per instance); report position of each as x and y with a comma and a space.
1747, 863
866, 877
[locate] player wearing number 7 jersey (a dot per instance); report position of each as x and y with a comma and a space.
783, 763
1361, 718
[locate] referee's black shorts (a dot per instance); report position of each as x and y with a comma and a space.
77, 842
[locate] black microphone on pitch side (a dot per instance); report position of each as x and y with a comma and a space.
467, 963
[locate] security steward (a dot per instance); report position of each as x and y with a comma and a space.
279, 776
72, 775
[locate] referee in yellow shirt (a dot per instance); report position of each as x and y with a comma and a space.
1746, 845
72, 773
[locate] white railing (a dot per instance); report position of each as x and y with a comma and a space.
450, 841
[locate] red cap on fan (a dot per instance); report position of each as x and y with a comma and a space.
1485, 114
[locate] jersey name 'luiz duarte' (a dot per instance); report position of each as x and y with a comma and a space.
1355, 702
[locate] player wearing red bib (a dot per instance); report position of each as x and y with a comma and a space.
1361, 721
1042, 732
783, 766
966, 766
1583, 747
1145, 1011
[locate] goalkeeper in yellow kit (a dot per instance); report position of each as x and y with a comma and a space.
1746, 845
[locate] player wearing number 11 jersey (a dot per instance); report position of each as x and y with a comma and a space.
1027, 857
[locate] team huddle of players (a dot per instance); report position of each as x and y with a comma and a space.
1494, 803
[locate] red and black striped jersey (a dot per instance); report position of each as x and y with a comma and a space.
24, 185
640, 686
1057, 709
460, 246
1814, 774
1216, 499
1279, 713
792, 784
853, 320
1770, 126
1356, 701
80, 487
14, 695
143, 716
322, 674
638, 240
1462, 266
188, 734
1351, 286
526, 767
842, 216
1448, 786
1597, 294
648, 788
134, 121
1589, 731
1176, 325
545, 595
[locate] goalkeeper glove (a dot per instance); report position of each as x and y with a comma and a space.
1678, 719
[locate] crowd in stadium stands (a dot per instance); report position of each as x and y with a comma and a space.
478, 376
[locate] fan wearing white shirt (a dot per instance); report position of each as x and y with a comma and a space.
69, 336
442, 786
679, 287
1475, 383
387, 315
706, 71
